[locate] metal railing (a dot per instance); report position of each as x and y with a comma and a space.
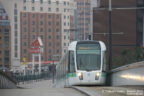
6, 80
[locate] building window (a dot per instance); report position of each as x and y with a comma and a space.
64, 44
49, 1
33, 15
33, 29
64, 17
57, 37
57, 23
41, 15
15, 26
6, 60
49, 37
24, 1
64, 10
57, 51
57, 44
64, 37
15, 11
41, 30
57, 2
16, 41
49, 30
67, 3
49, 57
15, 18
49, 23
6, 39
25, 51
16, 33
33, 8
25, 44
33, 22
49, 51
49, 9
15, 5
33, 37
41, 22
57, 30
57, 9
49, 16
24, 15
41, 1
6, 30
64, 23
64, 50
64, 3
49, 43
25, 30
15, 47
57, 16
41, 8
24, 22
0, 46
41, 36
33, 1
24, 8
16, 54
7, 45
25, 36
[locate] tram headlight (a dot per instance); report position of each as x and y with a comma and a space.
97, 75
80, 75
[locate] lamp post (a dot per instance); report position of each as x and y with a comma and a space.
110, 34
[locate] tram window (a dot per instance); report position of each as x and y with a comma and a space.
71, 62
104, 62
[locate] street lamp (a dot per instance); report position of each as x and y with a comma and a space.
110, 34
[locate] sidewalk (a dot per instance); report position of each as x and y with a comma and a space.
36, 84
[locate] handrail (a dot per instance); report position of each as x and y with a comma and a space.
8, 77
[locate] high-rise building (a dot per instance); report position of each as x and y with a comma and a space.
49, 19
85, 18
5, 44
83, 11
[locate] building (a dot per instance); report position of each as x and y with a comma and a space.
140, 23
5, 44
49, 19
83, 15
124, 25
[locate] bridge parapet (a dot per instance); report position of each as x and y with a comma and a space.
6, 82
132, 74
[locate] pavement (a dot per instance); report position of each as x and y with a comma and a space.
39, 88
47, 88
40, 92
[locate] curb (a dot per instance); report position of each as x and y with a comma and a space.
80, 90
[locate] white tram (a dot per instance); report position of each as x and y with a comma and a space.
84, 64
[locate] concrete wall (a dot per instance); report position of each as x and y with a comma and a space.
131, 74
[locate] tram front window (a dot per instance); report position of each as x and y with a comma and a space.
88, 57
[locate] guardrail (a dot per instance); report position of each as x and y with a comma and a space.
6, 81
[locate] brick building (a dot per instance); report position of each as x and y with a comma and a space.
124, 25
5, 44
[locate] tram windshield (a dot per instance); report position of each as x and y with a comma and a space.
88, 57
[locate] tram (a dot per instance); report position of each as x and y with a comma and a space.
83, 64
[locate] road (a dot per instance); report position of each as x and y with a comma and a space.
40, 92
